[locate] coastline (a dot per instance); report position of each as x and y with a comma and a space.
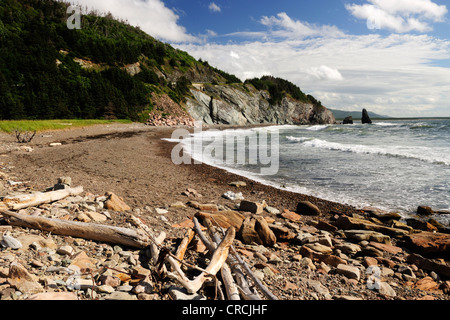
135, 163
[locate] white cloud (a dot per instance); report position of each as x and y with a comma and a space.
283, 26
214, 7
399, 15
386, 74
325, 73
152, 16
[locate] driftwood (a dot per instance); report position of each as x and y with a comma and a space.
218, 259
34, 199
90, 231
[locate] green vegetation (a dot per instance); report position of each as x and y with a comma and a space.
44, 125
48, 71
39, 78
278, 88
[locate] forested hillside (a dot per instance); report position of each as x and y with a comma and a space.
106, 69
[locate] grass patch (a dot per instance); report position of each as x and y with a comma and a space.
45, 125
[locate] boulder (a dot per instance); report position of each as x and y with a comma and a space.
307, 208
429, 243
225, 218
247, 232
250, 206
265, 233
365, 117
424, 211
350, 223
428, 264
348, 120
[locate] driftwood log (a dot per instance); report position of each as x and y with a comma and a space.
97, 232
22, 201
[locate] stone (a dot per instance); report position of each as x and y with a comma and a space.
323, 225
361, 235
351, 223
292, 216
54, 296
424, 211
365, 119
428, 243
10, 242
349, 271
370, 261
421, 225
386, 247
348, 120
104, 288
320, 248
230, 195
115, 203
426, 284
348, 248
120, 295
282, 233
81, 262
247, 232
271, 210
65, 250
428, 264
307, 208
265, 233
250, 206
22, 280
97, 217
161, 211
238, 184
385, 289
178, 205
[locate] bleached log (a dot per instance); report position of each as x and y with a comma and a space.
182, 247
218, 259
22, 201
96, 232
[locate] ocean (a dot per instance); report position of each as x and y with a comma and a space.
394, 165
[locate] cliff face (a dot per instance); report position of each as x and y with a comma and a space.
241, 104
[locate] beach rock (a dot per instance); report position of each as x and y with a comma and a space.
10, 242
22, 280
385, 289
365, 119
307, 208
428, 243
250, 206
349, 271
420, 225
320, 248
382, 215
54, 296
367, 235
428, 264
238, 184
230, 195
348, 248
424, 211
292, 216
348, 120
265, 233
247, 232
282, 233
115, 203
426, 284
225, 218
350, 223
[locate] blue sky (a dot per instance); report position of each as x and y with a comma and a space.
389, 56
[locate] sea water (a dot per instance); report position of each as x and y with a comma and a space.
395, 165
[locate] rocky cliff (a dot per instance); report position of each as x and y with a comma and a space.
242, 104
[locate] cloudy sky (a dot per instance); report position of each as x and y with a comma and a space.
389, 56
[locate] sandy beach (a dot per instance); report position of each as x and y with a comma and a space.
133, 162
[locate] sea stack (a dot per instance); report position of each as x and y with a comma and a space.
365, 117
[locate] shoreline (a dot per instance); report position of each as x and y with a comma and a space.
134, 162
